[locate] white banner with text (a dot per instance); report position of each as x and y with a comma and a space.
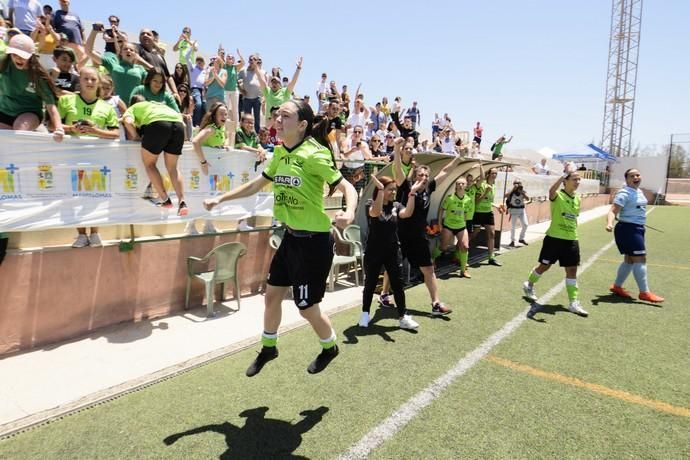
90, 182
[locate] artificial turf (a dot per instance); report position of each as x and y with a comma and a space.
490, 412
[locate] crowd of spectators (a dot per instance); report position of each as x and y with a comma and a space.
361, 131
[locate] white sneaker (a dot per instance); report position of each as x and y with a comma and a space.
95, 240
244, 226
406, 322
209, 227
529, 291
81, 242
576, 308
190, 228
364, 319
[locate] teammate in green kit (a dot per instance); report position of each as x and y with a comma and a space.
483, 213
161, 130
86, 114
299, 170
452, 218
212, 133
560, 243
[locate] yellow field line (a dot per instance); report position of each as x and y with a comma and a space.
675, 267
622, 395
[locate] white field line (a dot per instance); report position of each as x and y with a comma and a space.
401, 417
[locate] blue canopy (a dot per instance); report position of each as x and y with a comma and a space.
593, 153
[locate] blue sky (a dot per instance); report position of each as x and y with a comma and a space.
535, 69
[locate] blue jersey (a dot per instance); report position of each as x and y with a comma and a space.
633, 205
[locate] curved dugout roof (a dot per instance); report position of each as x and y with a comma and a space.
436, 162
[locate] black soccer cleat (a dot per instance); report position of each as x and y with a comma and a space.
322, 361
265, 355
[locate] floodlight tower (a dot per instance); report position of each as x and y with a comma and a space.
624, 49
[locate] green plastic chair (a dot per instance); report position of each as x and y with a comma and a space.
226, 257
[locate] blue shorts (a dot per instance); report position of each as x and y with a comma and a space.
630, 239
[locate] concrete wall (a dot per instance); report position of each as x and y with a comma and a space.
48, 296
679, 186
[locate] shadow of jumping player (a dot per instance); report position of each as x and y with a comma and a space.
260, 437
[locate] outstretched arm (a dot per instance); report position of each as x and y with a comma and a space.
295, 77
248, 189
407, 212
377, 208
398, 173
446, 169
94, 55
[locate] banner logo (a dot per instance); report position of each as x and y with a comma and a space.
220, 183
131, 179
45, 177
91, 182
194, 180
9, 183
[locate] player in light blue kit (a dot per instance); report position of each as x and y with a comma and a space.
630, 206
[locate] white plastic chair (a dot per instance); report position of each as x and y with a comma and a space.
338, 259
354, 234
226, 257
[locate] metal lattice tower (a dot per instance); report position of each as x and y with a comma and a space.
624, 49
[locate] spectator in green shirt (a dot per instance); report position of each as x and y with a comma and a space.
247, 139
274, 92
25, 87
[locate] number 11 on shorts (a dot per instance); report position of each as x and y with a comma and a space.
303, 291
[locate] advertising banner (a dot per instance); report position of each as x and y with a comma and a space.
84, 182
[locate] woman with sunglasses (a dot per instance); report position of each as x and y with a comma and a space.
354, 155
186, 106
299, 170
181, 74
560, 243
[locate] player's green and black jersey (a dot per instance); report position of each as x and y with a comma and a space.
564, 212
455, 208
298, 177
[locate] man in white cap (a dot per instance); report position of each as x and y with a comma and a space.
21, 100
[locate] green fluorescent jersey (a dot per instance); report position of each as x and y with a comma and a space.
470, 191
147, 112
163, 96
217, 139
564, 212
72, 107
275, 99
485, 204
298, 177
405, 168
455, 208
